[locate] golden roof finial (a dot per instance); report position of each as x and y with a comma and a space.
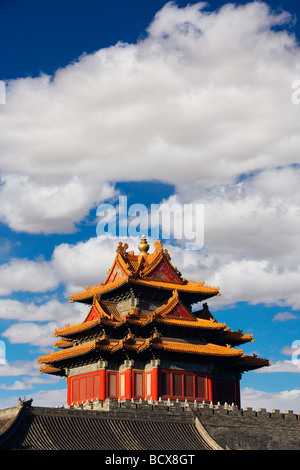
143, 246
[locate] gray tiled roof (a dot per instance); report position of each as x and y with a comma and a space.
38, 428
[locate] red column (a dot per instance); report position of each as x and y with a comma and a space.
210, 387
148, 384
154, 384
128, 384
102, 393
69, 398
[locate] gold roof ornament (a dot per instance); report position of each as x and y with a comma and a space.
143, 246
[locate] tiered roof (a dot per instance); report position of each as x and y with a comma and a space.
107, 330
154, 270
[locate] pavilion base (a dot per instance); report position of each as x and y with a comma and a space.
156, 380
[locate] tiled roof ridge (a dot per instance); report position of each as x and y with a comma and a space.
140, 272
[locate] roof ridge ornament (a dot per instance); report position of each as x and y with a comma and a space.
143, 246
121, 248
158, 245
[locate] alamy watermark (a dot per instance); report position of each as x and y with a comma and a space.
2, 353
296, 353
2, 92
296, 93
184, 222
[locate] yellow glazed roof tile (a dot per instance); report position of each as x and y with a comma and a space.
196, 348
66, 353
140, 269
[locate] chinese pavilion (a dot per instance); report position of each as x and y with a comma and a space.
142, 340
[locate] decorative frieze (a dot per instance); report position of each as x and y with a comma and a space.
85, 369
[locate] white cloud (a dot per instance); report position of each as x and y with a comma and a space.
71, 265
251, 233
84, 262
257, 218
47, 208
20, 367
40, 398
250, 245
285, 316
28, 383
26, 275
49, 398
52, 310
204, 97
283, 401
292, 350
31, 333
256, 282
36, 323
281, 366
17, 385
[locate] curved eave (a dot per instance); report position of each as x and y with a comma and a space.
189, 287
46, 369
208, 349
50, 363
199, 324
236, 338
74, 351
241, 361
87, 295
138, 344
62, 343
253, 362
146, 319
77, 328
195, 288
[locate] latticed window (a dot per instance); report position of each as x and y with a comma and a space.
189, 385
166, 383
97, 386
138, 384
177, 385
82, 391
75, 389
85, 387
200, 387
183, 385
112, 385
89, 387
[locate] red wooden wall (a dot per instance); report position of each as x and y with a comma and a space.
185, 385
155, 383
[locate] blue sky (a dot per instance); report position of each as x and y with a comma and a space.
179, 103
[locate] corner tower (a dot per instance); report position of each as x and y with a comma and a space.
142, 340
